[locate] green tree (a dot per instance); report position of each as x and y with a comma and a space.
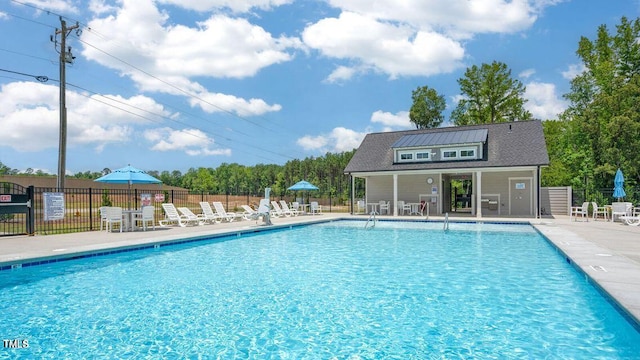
603, 106
426, 110
490, 95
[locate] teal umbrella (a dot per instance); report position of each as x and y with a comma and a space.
618, 182
128, 175
303, 185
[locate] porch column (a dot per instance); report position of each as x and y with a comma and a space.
478, 194
536, 196
395, 194
353, 192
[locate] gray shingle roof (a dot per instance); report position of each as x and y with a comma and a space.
510, 144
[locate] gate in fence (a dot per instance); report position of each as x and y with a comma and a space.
16, 210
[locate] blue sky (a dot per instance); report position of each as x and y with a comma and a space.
179, 84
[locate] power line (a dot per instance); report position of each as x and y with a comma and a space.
40, 78
194, 96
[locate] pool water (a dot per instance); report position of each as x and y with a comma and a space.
403, 290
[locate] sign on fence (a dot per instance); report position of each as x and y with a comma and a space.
53, 205
145, 199
159, 197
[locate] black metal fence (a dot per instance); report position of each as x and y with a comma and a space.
603, 196
82, 207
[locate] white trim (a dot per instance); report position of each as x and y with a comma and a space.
444, 171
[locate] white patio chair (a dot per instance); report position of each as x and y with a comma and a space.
385, 206
582, 211
402, 207
315, 208
361, 207
103, 216
600, 210
114, 216
147, 215
621, 209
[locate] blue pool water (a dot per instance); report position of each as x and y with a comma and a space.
327, 291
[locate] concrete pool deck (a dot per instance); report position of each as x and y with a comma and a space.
609, 253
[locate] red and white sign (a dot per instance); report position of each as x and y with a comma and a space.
159, 197
5, 198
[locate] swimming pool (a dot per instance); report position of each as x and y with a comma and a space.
334, 290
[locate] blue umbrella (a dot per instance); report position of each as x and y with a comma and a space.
618, 182
303, 185
128, 175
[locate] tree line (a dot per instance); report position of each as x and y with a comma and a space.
326, 172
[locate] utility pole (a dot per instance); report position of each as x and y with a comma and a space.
65, 57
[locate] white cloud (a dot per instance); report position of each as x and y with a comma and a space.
341, 73
543, 102
527, 73
393, 49
171, 55
221, 102
192, 141
456, 18
234, 5
61, 6
340, 139
573, 71
391, 122
29, 114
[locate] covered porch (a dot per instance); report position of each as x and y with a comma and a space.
490, 192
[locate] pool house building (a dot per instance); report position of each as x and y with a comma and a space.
479, 170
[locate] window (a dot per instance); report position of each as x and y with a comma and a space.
449, 154
422, 155
406, 156
468, 153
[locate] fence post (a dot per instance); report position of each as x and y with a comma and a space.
31, 226
90, 209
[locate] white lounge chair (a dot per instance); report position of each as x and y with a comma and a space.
147, 215
582, 211
191, 217
249, 213
224, 215
633, 220
172, 217
276, 210
208, 214
285, 208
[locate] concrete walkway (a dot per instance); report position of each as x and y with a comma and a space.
609, 253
